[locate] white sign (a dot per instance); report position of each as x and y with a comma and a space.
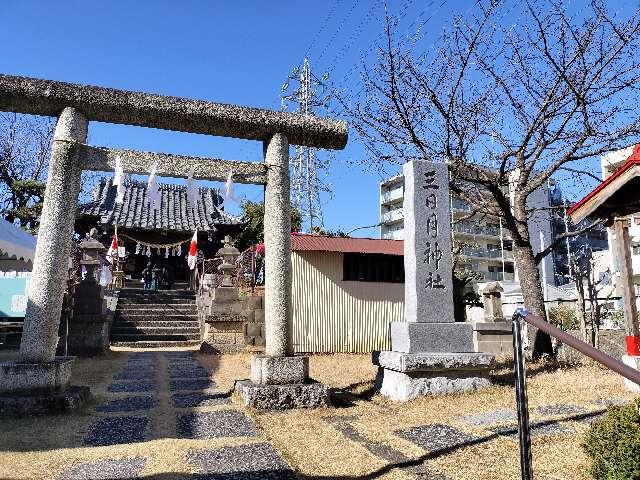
18, 303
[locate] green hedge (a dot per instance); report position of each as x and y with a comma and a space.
613, 444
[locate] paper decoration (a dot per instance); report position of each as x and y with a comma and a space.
153, 193
229, 193
179, 250
148, 251
122, 252
166, 252
118, 180
138, 248
192, 191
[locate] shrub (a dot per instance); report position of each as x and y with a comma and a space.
613, 444
564, 317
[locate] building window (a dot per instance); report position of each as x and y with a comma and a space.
635, 249
368, 267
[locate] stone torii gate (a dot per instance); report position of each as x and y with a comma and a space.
38, 371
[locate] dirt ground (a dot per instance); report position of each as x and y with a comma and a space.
355, 438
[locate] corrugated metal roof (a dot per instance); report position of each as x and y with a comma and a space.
319, 243
174, 213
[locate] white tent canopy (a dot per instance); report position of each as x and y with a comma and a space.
16, 242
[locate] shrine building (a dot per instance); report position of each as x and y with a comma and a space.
161, 236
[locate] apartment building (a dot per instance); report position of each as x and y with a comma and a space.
488, 247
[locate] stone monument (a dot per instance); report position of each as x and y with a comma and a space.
493, 335
430, 353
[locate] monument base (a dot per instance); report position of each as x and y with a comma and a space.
405, 376
281, 383
442, 337
493, 337
72, 398
633, 362
17, 378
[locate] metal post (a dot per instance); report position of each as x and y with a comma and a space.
521, 397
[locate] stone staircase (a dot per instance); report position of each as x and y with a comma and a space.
167, 318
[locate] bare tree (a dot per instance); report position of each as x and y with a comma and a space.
507, 106
25, 147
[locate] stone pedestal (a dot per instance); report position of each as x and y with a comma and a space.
430, 353
405, 376
39, 388
280, 383
633, 362
89, 322
493, 337
231, 323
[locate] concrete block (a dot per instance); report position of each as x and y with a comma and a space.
18, 378
226, 326
72, 398
279, 370
225, 294
258, 316
252, 302
501, 328
433, 362
283, 397
412, 337
223, 337
633, 362
402, 387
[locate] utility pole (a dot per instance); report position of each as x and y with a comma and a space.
305, 97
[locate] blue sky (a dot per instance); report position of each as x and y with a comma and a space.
226, 51
231, 52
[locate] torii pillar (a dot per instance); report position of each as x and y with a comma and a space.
279, 380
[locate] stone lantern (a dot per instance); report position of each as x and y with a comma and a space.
91, 248
229, 255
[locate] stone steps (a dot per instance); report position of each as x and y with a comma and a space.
157, 316
156, 301
155, 323
156, 344
137, 330
136, 307
168, 318
143, 337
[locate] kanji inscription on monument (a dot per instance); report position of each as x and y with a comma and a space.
427, 243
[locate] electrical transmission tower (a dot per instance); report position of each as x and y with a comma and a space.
304, 93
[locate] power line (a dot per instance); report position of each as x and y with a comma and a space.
322, 27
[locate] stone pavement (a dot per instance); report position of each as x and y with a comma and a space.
163, 395
170, 395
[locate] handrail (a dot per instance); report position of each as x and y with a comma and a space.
583, 347
521, 382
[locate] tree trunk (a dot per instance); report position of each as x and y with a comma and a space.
532, 295
580, 310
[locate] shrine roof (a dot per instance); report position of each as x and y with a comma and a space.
303, 242
617, 195
174, 213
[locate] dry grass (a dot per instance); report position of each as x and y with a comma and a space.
41, 447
